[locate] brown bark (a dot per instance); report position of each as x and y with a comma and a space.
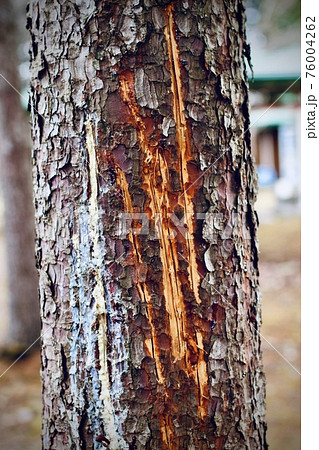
150, 339
16, 186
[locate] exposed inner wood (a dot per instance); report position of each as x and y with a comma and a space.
160, 208
142, 287
168, 434
184, 344
184, 144
158, 204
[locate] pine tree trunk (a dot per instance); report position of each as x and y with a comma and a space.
16, 186
150, 331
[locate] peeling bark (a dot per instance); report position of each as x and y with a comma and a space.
150, 339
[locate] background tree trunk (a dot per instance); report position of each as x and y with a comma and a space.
16, 187
150, 338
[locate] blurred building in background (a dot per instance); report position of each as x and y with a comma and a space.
274, 35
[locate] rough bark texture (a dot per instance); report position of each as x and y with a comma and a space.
16, 187
150, 339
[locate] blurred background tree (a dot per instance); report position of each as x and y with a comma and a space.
273, 23
23, 326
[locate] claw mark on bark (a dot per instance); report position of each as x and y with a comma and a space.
142, 287
159, 206
184, 144
158, 203
98, 292
184, 342
168, 432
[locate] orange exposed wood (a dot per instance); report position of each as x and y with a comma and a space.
168, 434
184, 144
151, 346
186, 338
160, 208
142, 287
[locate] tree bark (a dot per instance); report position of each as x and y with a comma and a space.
16, 186
151, 331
